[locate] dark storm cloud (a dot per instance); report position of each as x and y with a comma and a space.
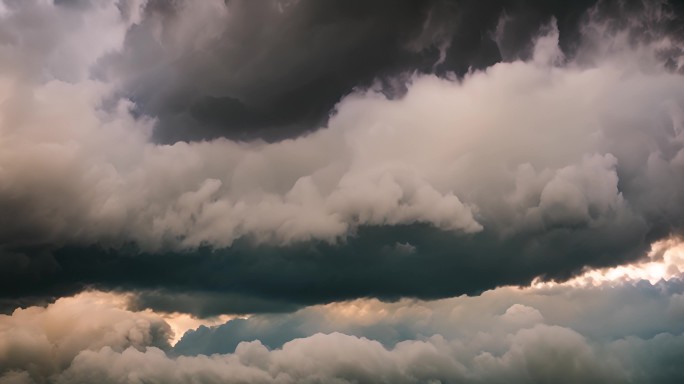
275, 69
451, 147
531, 168
384, 262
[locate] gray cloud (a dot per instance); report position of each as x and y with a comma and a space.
596, 312
246, 278
398, 151
604, 333
275, 69
340, 358
535, 167
505, 335
560, 135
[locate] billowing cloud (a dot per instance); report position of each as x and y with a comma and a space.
44, 341
318, 358
531, 168
322, 185
603, 333
275, 69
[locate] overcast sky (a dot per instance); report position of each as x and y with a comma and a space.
452, 169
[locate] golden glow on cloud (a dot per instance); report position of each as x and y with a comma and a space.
664, 262
366, 311
183, 322
179, 322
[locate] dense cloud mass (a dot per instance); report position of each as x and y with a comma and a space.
568, 334
562, 136
340, 173
531, 167
274, 69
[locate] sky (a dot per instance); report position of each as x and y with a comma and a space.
341, 191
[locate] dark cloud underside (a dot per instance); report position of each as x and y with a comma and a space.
274, 72
384, 262
403, 191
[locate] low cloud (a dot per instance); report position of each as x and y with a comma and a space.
595, 333
537, 354
42, 341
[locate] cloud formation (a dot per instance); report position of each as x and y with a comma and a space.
39, 342
275, 69
539, 166
603, 333
599, 304
332, 179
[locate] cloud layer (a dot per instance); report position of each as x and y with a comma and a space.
275, 69
42, 341
539, 166
527, 145
603, 333
334, 180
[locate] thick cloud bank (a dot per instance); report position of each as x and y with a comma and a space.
542, 165
604, 333
332, 177
522, 146
274, 69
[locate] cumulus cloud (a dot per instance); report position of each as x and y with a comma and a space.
345, 359
37, 342
603, 333
522, 144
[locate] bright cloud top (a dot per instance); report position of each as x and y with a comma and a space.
665, 261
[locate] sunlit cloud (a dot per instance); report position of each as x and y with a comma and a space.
183, 322
664, 261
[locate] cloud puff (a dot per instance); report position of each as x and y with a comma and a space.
43, 341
